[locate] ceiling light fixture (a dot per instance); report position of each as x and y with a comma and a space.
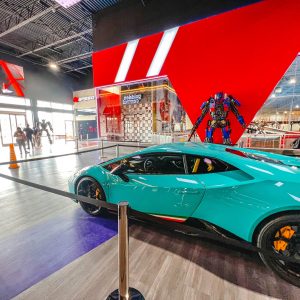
53, 66
292, 80
67, 3
278, 90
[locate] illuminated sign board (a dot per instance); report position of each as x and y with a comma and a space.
132, 99
86, 98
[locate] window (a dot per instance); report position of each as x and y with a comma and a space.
14, 100
111, 166
68, 107
206, 165
54, 105
164, 164
41, 103
151, 164
57, 120
57, 105
29, 118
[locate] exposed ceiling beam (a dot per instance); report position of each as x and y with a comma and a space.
31, 61
28, 20
21, 49
74, 58
71, 69
76, 69
13, 54
6, 11
87, 40
68, 43
57, 42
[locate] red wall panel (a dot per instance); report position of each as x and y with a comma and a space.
143, 56
243, 52
106, 64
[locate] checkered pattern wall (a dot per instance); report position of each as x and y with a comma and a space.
137, 120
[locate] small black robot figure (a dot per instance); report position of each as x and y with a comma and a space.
218, 107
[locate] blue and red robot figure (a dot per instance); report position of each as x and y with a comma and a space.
218, 107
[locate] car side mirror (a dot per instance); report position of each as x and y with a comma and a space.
120, 171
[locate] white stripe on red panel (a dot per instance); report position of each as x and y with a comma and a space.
126, 60
162, 51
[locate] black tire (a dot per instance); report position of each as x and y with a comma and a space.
89, 187
265, 240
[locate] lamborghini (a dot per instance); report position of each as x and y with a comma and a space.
245, 194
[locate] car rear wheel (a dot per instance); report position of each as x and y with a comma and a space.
282, 236
89, 187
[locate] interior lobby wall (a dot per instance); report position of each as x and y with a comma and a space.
44, 84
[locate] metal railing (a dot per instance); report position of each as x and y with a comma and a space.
274, 141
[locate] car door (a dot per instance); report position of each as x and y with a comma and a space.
215, 173
222, 183
158, 184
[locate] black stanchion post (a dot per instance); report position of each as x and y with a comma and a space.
102, 150
124, 292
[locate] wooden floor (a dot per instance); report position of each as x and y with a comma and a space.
163, 265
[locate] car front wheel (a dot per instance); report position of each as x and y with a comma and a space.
89, 187
282, 236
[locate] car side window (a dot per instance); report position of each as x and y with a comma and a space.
164, 164
151, 164
111, 166
206, 165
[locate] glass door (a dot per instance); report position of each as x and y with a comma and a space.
8, 126
21, 121
69, 130
6, 131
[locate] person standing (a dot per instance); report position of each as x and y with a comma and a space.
20, 138
29, 132
37, 136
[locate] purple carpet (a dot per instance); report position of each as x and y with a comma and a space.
33, 254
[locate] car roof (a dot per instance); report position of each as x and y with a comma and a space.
186, 148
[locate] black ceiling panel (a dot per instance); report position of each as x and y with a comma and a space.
133, 19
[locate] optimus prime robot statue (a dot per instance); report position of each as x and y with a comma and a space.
42, 126
218, 107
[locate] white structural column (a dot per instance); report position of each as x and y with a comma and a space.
126, 60
162, 51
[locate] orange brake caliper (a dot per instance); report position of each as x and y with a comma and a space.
97, 193
285, 232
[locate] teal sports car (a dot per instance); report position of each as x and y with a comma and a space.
241, 193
